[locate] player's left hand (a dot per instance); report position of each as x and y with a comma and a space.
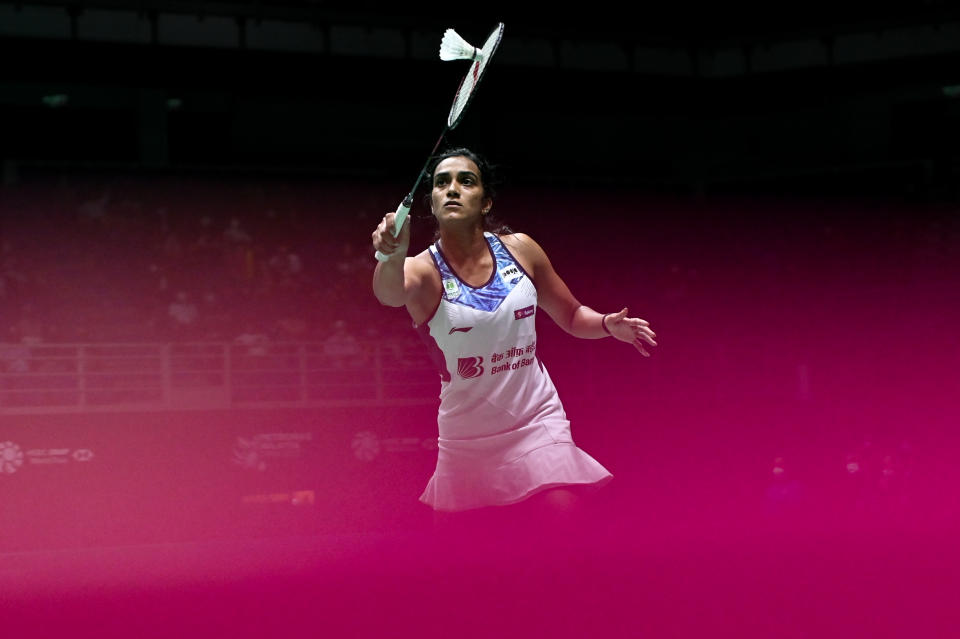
631, 330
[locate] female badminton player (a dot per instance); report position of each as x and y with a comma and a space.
473, 296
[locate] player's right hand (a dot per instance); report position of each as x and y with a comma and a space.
386, 243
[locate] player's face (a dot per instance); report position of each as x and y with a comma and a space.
458, 192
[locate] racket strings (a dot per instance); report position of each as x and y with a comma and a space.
472, 79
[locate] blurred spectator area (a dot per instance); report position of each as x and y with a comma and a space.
748, 294
93, 259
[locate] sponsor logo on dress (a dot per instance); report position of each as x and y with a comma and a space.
510, 274
521, 313
514, 358
470, 367
451, 289
460, 329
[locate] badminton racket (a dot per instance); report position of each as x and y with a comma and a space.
452, 47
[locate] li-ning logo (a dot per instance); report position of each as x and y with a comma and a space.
470, 367
460, 329
520, 313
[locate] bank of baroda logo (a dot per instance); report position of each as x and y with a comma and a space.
11, 457
470, 367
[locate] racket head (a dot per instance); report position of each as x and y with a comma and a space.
468, 86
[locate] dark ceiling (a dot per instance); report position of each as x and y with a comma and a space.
886, 109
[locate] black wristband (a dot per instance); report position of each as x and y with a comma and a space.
603, 323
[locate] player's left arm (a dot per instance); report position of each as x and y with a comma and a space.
579, 320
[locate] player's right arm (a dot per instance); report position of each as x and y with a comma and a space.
400, 280
392, 285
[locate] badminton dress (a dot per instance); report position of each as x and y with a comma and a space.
503, 433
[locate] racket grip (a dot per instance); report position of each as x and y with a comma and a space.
398, 220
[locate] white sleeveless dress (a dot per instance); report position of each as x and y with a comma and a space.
503, 433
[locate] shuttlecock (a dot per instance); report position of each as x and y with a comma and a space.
454, 47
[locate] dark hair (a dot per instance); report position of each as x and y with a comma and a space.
488, 178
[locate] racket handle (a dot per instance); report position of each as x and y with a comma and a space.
398, 220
